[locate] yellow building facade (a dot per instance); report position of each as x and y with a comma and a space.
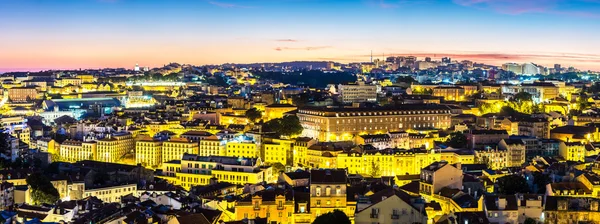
73, 151
174, 148
148, 152
112, 148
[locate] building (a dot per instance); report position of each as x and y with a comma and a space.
275, 111
450, 93
482, 138
502, 209
276, 205
328, 192
388, 162
379, 141
389, 206
111, 194
73, 151
112, 148
357, 93
175, 148
337, 124
494, 158
212, 146
194, 170
148, 152
247, 149
572, 151
440, 175
515, 151
559, 209
22, 94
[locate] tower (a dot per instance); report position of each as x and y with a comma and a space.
371, 56
137, 67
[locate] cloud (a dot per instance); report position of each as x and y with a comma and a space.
302, 48
287, 40
228, 5
517, 7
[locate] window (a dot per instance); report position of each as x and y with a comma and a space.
318, 191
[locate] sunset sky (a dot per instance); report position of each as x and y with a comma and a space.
61, 34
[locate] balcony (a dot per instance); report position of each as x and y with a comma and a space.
395, 216
374, 215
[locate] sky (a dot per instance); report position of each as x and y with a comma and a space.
70, 34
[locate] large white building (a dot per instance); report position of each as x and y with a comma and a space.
357, 93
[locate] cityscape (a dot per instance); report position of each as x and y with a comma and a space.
281, 112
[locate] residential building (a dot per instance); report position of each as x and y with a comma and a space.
389, 206
112, 148
276, 205
148, 152
175, 148
22, 94
439, 175
515, 151
482, 138
111, 194
73, 151
328, 192
212, 146
275, 111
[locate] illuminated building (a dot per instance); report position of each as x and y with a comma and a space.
440, 175
379, 141
572, 151
148, 152
194, 170
450, 93
515, 149
85, 78
389, 162
530, 69
73, 151
328, 192
336, 124
540, 91
400, 139
301, 145
175, 148
277, 205
278, 151
68, 81
513, 67
112, 148
482, 138
230, 118
572, 133
111, 194
22, 94
17, 127
212, 146
389, 206
494, 158
47, 145
356, 93
274, 111
247, 149
196, 136
560, 209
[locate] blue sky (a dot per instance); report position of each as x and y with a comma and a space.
44, 34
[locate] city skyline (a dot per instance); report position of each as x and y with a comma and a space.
119, 33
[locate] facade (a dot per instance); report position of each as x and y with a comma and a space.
111, 194
337, 124
515, 151
112, 148
494, 158
483, 138
357, 93
276, 205
450, 93
73, 151
389, 162
328, 192
389, 206
212, 146
194, 170
148, 152
247, 149
440, 175
572, 151
175, 148
274, 111
22, 94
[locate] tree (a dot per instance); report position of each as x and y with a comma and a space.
375, 170
287, 126
42, 190
277, 168
4, 144
457, 140
530, 221
523, 96
253, 114
337, 217
512, 184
